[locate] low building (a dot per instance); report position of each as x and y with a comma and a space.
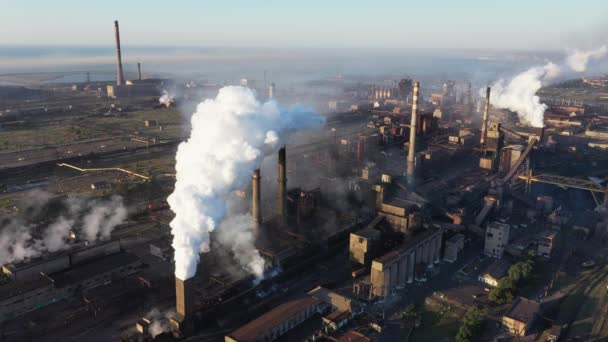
277, 321
363, 245
453, 246
353, 336
22, 296
497, 237
162, 249
521, 316
151, 123
337, 301
547, 244
336, 320
494, 272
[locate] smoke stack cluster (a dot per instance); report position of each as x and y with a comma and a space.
139, 71
282, 188
256, 198
412, 148
119, 74
484, 118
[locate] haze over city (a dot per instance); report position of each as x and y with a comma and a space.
304, 171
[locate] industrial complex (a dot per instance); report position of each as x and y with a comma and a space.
413, 207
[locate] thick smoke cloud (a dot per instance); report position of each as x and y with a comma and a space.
91, 220
238, 234
579, 60
519, 93
230, 137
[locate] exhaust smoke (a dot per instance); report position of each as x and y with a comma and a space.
230, 137
519, 93
91, 219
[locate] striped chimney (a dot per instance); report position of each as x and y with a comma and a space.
412, 147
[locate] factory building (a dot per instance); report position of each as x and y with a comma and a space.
546, 244
521, 316
402, 214
397, 268
497, 238
275, 323
56, 280
363, 245
494, 272
453, 246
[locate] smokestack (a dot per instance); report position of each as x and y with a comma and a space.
184, 304
282, 188
271, 91
412, 149
484, 118
119, 75
255, 203
139, 71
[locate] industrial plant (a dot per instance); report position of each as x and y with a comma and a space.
401, 207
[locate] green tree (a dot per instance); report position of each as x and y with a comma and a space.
471, 326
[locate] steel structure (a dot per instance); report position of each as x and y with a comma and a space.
569, 182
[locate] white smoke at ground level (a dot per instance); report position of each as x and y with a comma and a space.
230, 137
159, 322
92, 219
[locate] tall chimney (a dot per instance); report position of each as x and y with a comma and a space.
412, 148
484, 118
119, 75
255, 203
282, 188
183, 297
271, 91
139, 71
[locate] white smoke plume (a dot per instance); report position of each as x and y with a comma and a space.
166, 99
519, 93
94, 220
238, 233
578, 60
230, 137
159, 322
102, 218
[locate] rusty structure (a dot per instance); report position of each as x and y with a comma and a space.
120, 77
256, 208
484, 118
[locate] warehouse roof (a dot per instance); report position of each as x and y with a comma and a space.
253, 330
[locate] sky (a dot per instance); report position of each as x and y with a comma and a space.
464, 24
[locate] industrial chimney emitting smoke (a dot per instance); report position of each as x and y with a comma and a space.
183, 297
282, 188
484, 118
256, 198
139, 71
119, 74
412, 148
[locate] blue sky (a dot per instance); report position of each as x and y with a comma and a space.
512, 24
